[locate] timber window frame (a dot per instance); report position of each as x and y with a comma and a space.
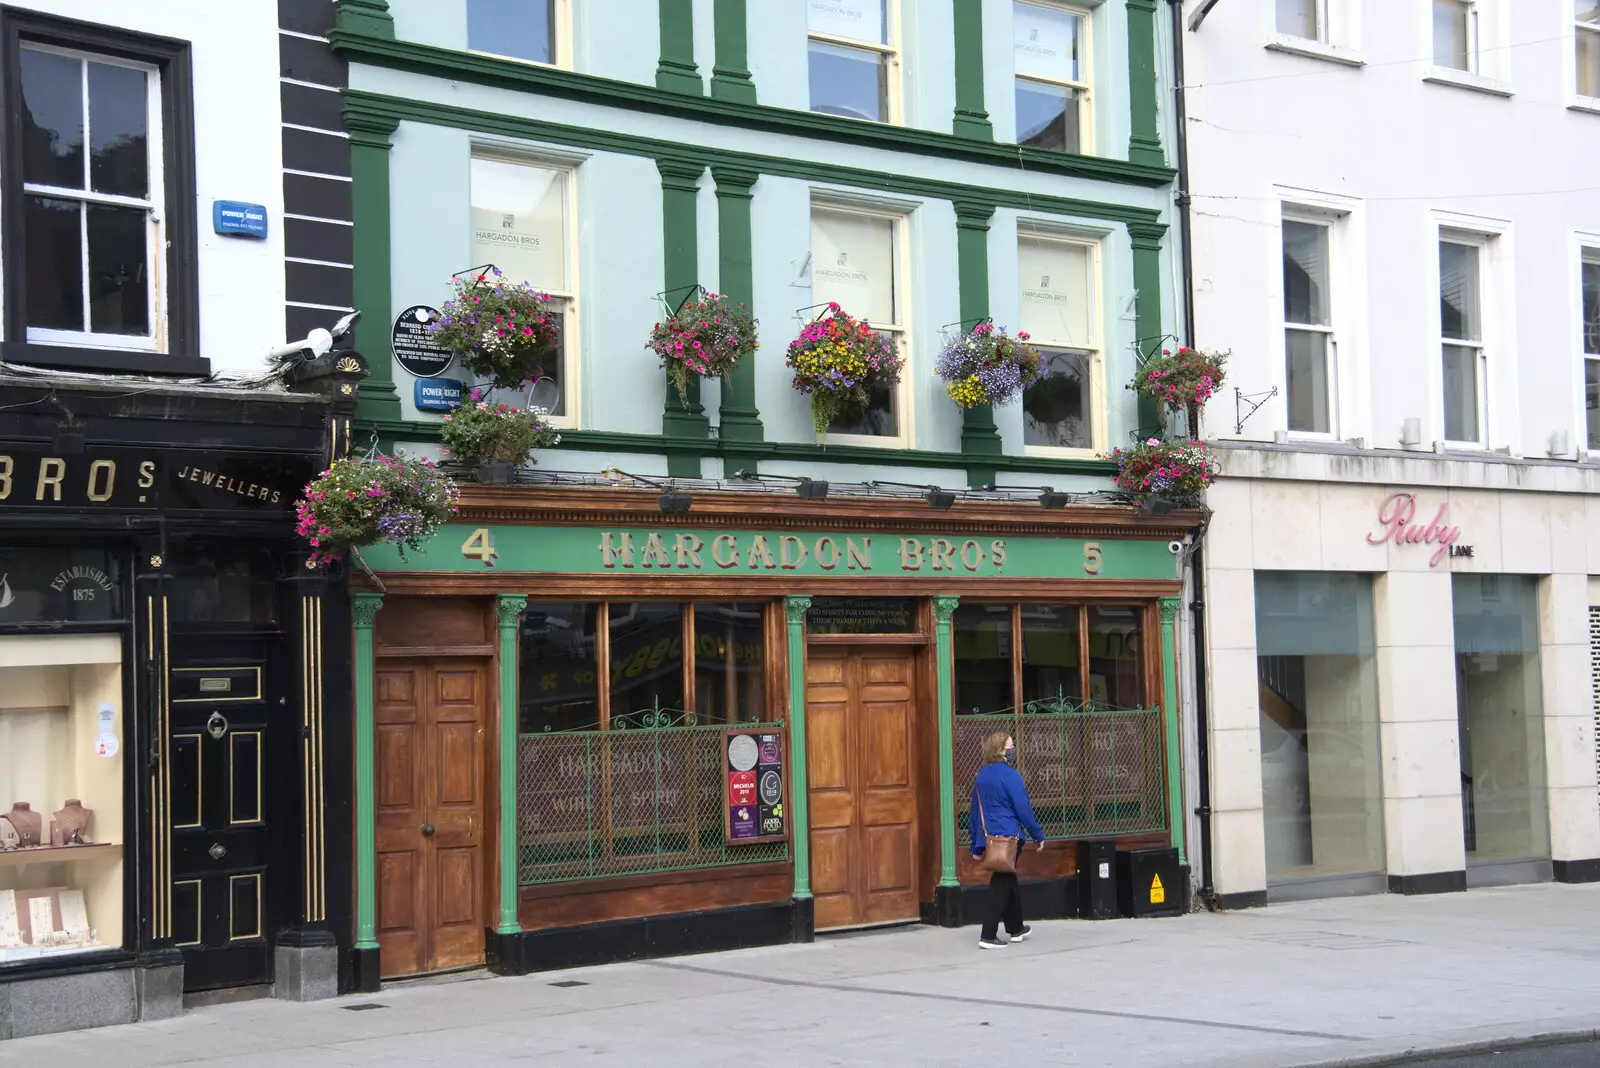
886, 51
1586, 56
171, 345
1089, 349
1314, 324
1078, 90
1588, 307
558, 28
1467, 346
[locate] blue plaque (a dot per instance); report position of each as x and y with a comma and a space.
437, 394
239, 219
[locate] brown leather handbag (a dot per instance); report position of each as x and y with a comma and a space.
999, 850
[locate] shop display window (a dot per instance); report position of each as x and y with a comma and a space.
980, 638
62, 728
729, 663
1500, 715
1321, 772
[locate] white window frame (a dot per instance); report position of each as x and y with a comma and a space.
1322, 36
1328, 221
561, 43
1099, 430
1485, 242
1338, 28
899, 331
154, 205
1580, 101
1086, 108
890, 50
1586, 247
1474, 36
567, 299
1489, 66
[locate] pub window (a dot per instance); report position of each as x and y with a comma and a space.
853, 60
980, 637
557, 689
91, 165
1047, 656
857, 263
1064, 411
646, 662
523, 216
533, 30
729, 663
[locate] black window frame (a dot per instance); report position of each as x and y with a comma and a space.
171, 58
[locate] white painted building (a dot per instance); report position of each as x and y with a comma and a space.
1395, 232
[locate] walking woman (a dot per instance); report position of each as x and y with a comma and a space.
1000, 813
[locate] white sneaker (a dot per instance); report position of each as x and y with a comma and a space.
991, 943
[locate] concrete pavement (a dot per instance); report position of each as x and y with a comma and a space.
1312, 983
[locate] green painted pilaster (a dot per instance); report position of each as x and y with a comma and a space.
1144, 145
1146, 239
979, 437
676, 70
364, 611
740, 420
730, 73
510, 607
369, 188
799, 827
1170, 737
943, 609
369, 17
680, 184
971, 120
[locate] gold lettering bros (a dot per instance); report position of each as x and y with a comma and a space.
787, 552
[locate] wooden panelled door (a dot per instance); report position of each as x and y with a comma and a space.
429, 779
860, 767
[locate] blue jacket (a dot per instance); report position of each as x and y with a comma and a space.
1006, 810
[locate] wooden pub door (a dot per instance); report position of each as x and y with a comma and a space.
429, 779
861, 773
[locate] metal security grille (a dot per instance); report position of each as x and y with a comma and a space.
592, 804
1594, 678
1090, 771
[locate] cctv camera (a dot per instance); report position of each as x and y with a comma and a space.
1175, 547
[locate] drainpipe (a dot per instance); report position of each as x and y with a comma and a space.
1197, 606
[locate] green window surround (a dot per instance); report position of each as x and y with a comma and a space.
795, 609
979, 436
680, 186
364, 613
1144, 144
971, 119
740, 420
730, 77
676, 72
370, 136
509, 608
1146, 242
943, 609
1170, 741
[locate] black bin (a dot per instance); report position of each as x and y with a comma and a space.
1097, 880
1150, 882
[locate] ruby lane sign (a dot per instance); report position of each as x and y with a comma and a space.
1397, 526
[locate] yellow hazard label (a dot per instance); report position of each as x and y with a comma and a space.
1158, 893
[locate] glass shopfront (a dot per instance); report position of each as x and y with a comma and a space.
1321, 773
1501, 718
62, 732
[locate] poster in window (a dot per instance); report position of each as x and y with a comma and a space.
1047, 42
1056, 295
852, 264
756, 787
859, 20
519, 222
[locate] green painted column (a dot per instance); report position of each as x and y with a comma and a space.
943, 609
979, 437
1146, 240
730, 73
510, 606
364, 611
971, 120
676, 70
1170, 736
680, 185
1144, 144
369, 190
740, 420
368, 17
800, 828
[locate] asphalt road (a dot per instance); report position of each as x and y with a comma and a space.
1577, 1055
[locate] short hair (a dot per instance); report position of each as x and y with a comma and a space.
994, 746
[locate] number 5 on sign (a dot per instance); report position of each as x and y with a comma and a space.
1092, 558
480, 545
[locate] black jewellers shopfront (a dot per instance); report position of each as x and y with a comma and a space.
169, 702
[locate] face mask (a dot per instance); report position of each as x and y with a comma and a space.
1011, 756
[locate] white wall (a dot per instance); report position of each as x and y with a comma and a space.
238, 156
1393, 151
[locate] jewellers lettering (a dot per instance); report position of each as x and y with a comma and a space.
787, 552
131, 479
1395, 516
231, 485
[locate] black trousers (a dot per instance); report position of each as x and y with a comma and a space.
1005, 903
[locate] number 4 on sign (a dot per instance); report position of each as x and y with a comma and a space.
480, 545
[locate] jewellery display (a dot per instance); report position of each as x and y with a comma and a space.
27, 822
72, 824
9, 838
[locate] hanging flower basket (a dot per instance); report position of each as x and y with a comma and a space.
986, 365
1183, 380
361, 502
484, 435
507, 333
705, 338
1176, 471
839, 361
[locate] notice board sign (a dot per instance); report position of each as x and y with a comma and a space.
755, 786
